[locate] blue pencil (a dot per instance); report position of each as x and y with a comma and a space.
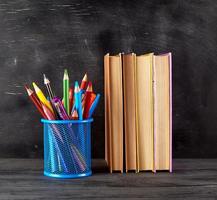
78, 103
93, 106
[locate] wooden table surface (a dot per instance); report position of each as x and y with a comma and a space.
192, 179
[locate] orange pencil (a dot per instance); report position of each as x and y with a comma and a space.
75, 115
71, 99
35, 100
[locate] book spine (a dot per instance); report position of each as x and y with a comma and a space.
154, 117
170, 63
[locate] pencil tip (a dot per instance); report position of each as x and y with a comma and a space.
29, 91
35, 86
90, 87
85, 77
76, 83
66, 76
76, 87
46, 80
75, 114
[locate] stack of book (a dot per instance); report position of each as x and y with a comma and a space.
138, 112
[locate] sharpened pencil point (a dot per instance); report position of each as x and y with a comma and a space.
76, 84
75, 114
66, 76
36, 88
85, 77
76, 87
90, 87
29, 91
46, 80
34, 85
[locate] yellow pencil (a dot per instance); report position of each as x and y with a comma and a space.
41, 96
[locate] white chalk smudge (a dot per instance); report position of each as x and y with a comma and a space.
13, 93
15, 61
88, 49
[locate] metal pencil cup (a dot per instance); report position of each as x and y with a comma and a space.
67, 148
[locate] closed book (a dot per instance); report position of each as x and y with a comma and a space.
129, 83
144, 110
162, 70
113, 112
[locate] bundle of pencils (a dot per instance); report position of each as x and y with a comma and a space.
78, 102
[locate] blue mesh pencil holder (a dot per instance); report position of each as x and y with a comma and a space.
67, 148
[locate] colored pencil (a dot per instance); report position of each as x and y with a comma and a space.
75, 115
51, 95
50, 116
78, 103
66, 91
89, 98
60, 108
48, 113
56, 132
84, 82
78, 160
93, 106
71, 99
35, 100
89, 89
47, 84
41, 96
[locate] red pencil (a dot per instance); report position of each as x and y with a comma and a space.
50, 116
83, 82
35, 100
48, 113
89, 89
88, 100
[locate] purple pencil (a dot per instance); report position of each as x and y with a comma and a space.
60, 108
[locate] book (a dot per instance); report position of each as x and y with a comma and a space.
144, 116
129, 86
113, 112
162, 70
138, 112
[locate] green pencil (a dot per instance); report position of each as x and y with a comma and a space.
66, 90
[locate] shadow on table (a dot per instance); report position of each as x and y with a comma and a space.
99, 166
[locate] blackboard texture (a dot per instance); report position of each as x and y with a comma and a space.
47, 36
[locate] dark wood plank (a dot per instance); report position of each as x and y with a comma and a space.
191, 179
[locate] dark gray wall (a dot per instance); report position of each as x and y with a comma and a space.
47, 36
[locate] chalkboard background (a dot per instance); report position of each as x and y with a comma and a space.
47, 36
